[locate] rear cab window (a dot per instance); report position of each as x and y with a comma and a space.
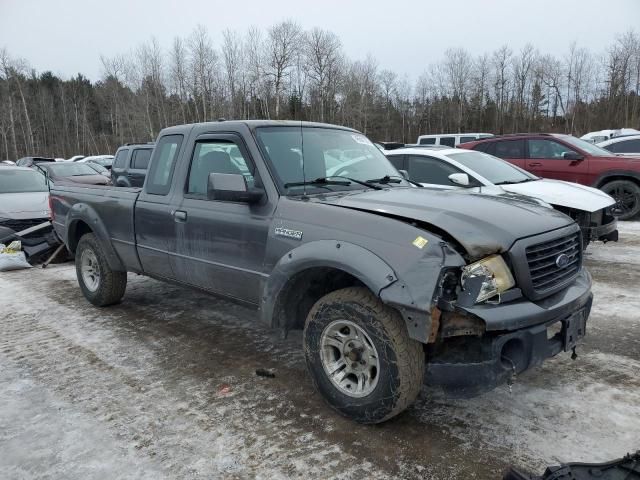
448, 141
164, 161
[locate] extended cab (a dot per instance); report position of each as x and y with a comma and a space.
565, 157
311, 225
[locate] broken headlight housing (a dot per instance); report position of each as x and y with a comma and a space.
496, 273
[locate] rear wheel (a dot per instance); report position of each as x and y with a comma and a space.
100, 284
360, 356
626, 193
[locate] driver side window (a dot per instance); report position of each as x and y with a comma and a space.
540, 148
430, 170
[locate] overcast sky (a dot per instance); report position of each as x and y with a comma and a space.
68, 36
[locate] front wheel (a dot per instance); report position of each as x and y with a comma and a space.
626, 193
100, 284
360, 356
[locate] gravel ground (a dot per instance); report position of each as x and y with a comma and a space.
164, 386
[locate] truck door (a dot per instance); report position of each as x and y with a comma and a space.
154, 215
220, 245
510, 150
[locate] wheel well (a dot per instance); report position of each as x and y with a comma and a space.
303, 290
613, 178
76, 231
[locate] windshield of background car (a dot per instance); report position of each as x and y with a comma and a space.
307, 153
490, 167
19, 181
69, 169
588, 147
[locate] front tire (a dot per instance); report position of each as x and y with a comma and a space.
100, 284
626, 193
360, 356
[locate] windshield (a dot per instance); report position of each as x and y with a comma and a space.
97, 167
300, 154
493, 169
69, 169
588, 147
19, 181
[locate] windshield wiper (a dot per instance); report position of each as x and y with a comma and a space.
512, 182
327, 181
394, 179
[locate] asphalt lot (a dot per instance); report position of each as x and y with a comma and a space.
164, 386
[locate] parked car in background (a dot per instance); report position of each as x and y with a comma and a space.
603, 135
31, 161
383, 146
451, 140
453, 168
72, 172
130, 165
105, 160
565, 157
24, 205
7, 162
391, 283
627, 145
75, 158
99, 169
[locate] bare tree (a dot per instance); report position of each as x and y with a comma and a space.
322, 54
283, 43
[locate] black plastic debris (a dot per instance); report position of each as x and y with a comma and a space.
263, 372
625, 468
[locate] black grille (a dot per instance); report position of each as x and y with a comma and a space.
19, 225
541, 258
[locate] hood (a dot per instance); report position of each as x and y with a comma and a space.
483, 224
564, 194
20, 206
96, 179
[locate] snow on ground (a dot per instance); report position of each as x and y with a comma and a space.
164, 386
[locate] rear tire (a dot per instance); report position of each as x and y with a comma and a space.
100, 284
378, 370
626, 193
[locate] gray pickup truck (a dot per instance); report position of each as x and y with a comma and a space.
394, 284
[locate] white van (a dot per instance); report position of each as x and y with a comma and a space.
451, 139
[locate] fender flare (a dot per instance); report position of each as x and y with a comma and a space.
81, 212
357, 261
604, 178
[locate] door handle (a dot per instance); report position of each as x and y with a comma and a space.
180, 216
535, 164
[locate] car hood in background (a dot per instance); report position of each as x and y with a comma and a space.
20, 206
483, 224
96, 179
563, 194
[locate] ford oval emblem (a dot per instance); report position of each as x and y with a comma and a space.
562, 260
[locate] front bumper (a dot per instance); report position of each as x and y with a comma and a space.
34, 243
467, 366
604, 233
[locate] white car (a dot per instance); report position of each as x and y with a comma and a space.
603, 135
448, 168
451, 139
627, 145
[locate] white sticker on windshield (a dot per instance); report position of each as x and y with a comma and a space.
361, 139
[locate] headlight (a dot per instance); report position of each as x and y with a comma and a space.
497, 275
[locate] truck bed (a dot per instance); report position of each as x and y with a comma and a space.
114, 206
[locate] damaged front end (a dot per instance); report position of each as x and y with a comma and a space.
36, 236
500, 316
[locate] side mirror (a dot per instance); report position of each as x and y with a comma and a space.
232, 187
404, 174
461, 179
575, 156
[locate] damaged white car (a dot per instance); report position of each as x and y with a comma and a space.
447, 168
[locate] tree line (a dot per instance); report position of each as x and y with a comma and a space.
285, 72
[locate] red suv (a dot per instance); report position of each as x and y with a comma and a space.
565, 157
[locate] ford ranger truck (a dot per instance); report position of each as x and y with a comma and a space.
394, 285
